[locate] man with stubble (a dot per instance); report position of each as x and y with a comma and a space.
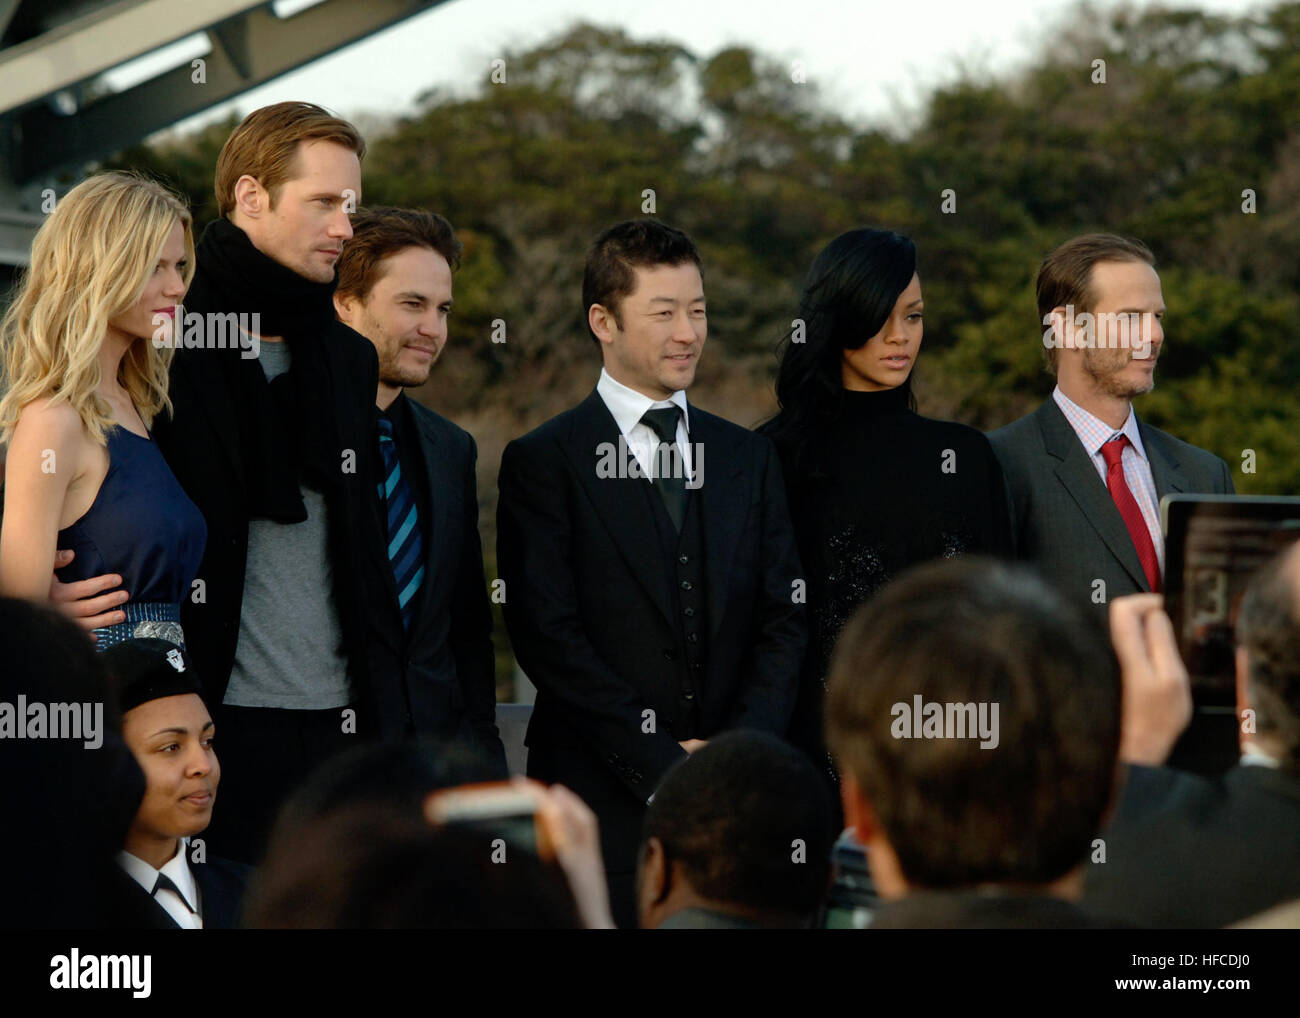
275, 451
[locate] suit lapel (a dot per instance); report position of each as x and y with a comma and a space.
1166, 471
620, 502
214, 904
1078, 475
443, 487
725, 502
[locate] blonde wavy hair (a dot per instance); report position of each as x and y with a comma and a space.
90, 262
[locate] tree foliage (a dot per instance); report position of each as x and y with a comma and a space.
1194, 110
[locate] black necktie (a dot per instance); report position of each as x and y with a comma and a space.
165, 883
668, 470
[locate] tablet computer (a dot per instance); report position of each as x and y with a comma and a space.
1213, 546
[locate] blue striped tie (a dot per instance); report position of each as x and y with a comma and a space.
405, 546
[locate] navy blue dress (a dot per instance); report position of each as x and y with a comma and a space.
144, 527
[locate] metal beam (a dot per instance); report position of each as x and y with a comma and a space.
7, 10
265, 48
100, 41
16, 232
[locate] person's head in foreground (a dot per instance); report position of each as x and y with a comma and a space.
72, 798
975, 717
1268, 662
737, 835
375, 865
166, 725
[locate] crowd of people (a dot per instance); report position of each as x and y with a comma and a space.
229, 531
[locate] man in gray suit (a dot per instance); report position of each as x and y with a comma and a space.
1084, 475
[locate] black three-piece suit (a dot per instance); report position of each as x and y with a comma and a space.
633, 643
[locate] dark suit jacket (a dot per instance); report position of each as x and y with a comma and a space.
969, 910
440, 678
221, 884
1062, 515
200, 443
591, 615
1188, 851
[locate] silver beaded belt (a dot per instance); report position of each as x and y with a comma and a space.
160, 620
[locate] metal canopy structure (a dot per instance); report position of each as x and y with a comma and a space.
58, 110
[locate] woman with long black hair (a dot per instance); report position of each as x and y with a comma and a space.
873, 486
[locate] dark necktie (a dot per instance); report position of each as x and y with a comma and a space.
165, 883
1113, 452
405, 543
668, 469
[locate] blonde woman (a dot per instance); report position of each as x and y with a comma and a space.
83, 381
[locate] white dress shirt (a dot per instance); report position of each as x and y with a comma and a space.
1093, 432
177, 869
627, 406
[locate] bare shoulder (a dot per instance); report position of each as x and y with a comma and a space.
45, 424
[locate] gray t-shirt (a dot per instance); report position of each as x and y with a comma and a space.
289, 624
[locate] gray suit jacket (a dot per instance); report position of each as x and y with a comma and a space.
1062, 515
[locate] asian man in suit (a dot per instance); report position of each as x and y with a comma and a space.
651, 614
431, 664
1085, 476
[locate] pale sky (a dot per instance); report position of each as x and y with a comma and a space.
870, 60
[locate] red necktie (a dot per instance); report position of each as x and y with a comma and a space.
1113, 452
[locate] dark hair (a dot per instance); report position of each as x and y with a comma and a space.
382, 231
72, 804
976, 631
1268, 626
849, 294
1065, 277
372, 867
397, 775
731, 813
609, 276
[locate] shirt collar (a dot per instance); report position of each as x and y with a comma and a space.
1093, 432
1252, 756
627, 406
177, 869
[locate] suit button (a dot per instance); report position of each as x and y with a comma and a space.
689, 612
697, 666
688, 694
692, 637
683, 559
686, 584
670, 654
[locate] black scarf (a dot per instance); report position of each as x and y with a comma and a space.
287, 429
306, 423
